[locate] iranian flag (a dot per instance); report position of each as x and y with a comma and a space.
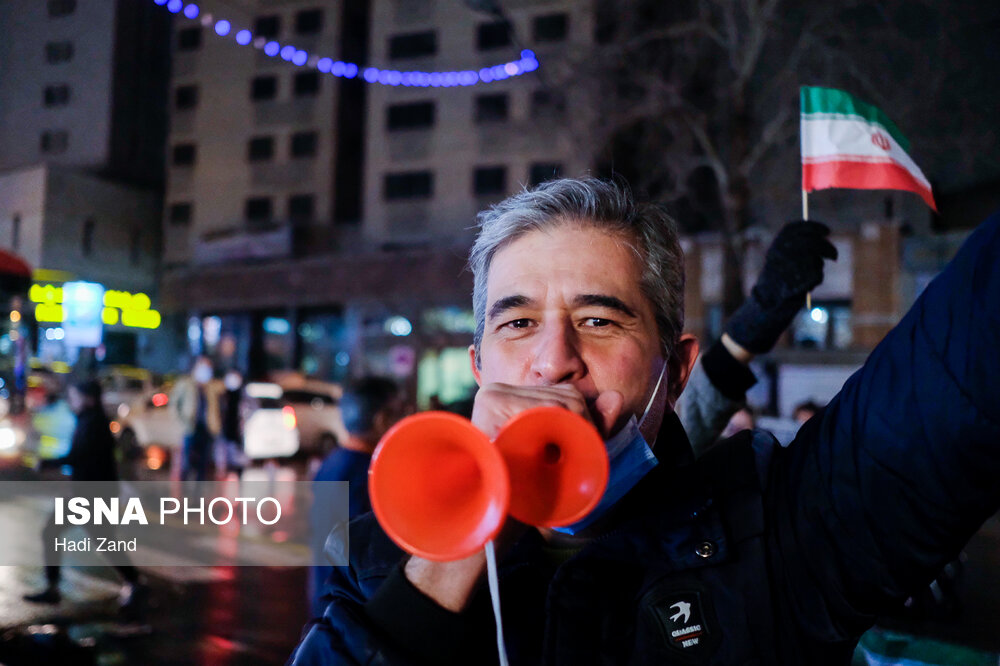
847, 143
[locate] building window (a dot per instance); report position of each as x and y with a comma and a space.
264, 87
260, 148
184, 154
489, 180
189, 39
411, 185
59, 8
826, 326
87, 239
309, 22
180, 213
415, 115
545, 104
267, 26
540, 172
56, 52
551, 27
491, 108
301, 207
54, 141
185, 97
57, 95
303, 144
413, 45
15, 231
493, 35
306, 83
259, 209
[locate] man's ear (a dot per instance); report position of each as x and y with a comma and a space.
472, 364
680, 364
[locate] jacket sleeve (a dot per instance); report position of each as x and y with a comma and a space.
374, 616
884, 486
342, 635
716, 390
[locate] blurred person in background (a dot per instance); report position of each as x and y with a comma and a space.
369, 407
92, 458
805, 411
196, 399
229, 454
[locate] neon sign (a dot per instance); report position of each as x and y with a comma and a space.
119, 307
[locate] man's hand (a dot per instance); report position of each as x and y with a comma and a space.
496, 404
792, 268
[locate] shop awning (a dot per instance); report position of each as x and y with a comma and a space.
15, 273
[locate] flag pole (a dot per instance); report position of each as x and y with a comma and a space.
805, 216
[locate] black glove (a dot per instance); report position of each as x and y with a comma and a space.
792, 268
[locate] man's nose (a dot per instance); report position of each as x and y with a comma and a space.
557, 356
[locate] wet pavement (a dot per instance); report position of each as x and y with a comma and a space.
236, 615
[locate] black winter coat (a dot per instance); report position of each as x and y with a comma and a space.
92, 453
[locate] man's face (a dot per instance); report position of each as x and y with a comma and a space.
564, 306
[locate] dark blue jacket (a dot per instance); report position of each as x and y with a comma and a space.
754, 554
341, 465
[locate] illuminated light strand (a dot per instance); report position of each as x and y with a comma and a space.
527, 63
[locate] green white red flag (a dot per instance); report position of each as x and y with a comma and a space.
847, 143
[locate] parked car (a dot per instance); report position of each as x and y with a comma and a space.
317, 412
270, 427
152, 431
121, 385
149, 430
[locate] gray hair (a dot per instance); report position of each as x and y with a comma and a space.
602, 204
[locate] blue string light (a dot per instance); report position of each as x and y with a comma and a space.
527, 63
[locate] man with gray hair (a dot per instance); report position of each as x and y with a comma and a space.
752, 554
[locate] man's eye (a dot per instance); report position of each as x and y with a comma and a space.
518, 323
597, 322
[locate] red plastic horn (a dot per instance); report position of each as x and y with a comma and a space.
438, 486
558, 466
441, 490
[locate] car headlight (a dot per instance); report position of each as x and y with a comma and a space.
9, 439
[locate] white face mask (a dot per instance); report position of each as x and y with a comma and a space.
202, 373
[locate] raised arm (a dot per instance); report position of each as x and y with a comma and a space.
718, 385
886, 484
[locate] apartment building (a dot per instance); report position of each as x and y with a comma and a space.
82, 124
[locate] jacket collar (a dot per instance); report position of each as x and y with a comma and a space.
672, 447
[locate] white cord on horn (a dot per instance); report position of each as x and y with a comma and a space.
494, 582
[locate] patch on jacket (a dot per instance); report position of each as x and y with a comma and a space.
684, 620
